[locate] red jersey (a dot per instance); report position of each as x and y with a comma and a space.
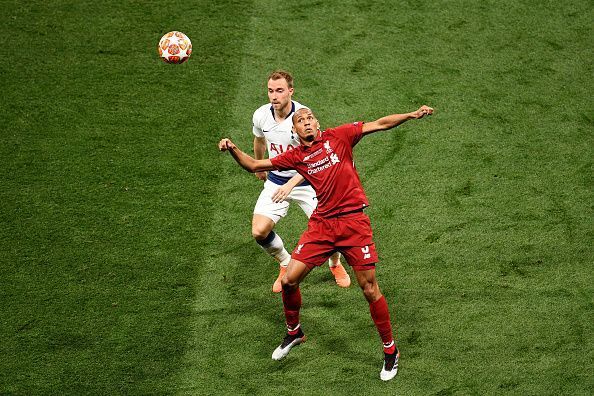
328, 166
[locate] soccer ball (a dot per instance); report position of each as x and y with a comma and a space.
175, 47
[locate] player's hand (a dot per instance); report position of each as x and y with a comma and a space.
422, 112
261, 175
281, 194
226, 144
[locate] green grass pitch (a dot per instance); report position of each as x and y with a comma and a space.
126, 260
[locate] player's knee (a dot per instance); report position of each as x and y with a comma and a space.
289, 284
257, 234
262, 226
260, 232
371, 292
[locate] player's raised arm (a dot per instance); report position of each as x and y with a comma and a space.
392, 121
248, 163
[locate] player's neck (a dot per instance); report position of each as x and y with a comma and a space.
283, 113
308, 143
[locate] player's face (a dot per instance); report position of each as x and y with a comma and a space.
279, 93
306, 125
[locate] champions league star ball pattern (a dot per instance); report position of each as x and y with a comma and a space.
175, 47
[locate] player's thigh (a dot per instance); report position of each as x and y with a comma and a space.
314, 253
265, 205
305, 197
360, 257
315, 245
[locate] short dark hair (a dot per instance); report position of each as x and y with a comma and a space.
278, 74
300, 110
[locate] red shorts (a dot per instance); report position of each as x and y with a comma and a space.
349, 234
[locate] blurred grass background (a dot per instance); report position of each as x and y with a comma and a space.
127, 265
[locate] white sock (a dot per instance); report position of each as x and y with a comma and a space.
274, 246
334, 260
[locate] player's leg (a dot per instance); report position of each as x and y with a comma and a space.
266, 214
378, 307
314, 251
306, 199
357, 246
271, 243
296, 271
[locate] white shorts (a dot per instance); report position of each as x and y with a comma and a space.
304, 196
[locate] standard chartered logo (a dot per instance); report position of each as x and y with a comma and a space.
325, 162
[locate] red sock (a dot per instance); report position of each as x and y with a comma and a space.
381, 317
292, 305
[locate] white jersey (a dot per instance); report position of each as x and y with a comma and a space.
279, 137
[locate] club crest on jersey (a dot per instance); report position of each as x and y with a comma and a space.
327, 147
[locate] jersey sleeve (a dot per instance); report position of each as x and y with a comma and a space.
256, 129
285, 161
350, 133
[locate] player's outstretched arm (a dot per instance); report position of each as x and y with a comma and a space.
392, 121
248, 163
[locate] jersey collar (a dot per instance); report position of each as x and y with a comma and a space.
319, 137
288, 115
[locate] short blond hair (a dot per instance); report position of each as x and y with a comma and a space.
278, 74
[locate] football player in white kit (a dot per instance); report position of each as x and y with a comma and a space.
273, 133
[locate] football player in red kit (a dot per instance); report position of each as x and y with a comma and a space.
325, 160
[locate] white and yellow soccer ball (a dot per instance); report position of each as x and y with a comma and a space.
175, 47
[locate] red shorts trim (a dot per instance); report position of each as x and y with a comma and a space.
350, 234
